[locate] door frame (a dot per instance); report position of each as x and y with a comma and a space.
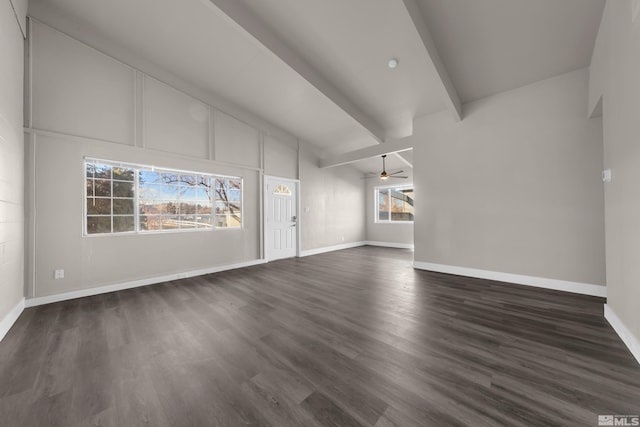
265, 209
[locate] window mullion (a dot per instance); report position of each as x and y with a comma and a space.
136, 205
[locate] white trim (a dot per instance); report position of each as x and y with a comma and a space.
540, 282
32, 302
325, 249
10, 318
627, 337
390, 244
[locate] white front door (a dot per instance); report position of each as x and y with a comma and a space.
281, 216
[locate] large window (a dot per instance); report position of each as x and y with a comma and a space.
394, 204
124, 198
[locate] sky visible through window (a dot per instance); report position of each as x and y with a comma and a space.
166, 200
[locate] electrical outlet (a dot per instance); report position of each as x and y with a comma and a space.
58, 274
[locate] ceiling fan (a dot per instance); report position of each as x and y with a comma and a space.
384, 175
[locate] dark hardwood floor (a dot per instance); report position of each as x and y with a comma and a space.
355, 337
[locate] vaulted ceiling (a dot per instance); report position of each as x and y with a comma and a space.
318, 69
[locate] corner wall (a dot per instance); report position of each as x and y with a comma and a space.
615, 71
11, 166
516, 186
332, 203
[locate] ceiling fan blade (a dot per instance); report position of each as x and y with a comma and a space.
403, 177
394, 173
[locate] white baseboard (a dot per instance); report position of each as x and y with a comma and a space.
627, 337
540, 282
10, 318
32, 302
331, 248
390, 244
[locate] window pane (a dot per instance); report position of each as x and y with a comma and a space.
234, 208
147, 177
222, 195
234, 221
204, 221
203, 195
150, 222
401, 204
383, 205
123, 224
123, 174
188, 193
151, 208
187, 208
235, 184
99, 187
234, 196
170, 192
188, 180
122, 189
123, 206
187, 221
98, 206
170, 178
170, 222
91, 169
98, 224
222, 207
102, 171
203, 208
221, 221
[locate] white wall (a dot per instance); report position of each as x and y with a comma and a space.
400, 234
332, 202
280, 158
615, 71
515, 187
20, 8
87, 104
11, 163
123, 115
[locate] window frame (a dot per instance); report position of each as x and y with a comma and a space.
137, 167
376, 195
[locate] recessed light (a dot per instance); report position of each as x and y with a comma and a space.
393, 63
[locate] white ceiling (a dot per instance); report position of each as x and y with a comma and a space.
491, 46
486, 46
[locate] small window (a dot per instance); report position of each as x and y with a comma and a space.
394, 204
140, 199
282, 190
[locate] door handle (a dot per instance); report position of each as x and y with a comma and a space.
294, 218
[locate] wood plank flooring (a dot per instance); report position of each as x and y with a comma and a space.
349, 338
